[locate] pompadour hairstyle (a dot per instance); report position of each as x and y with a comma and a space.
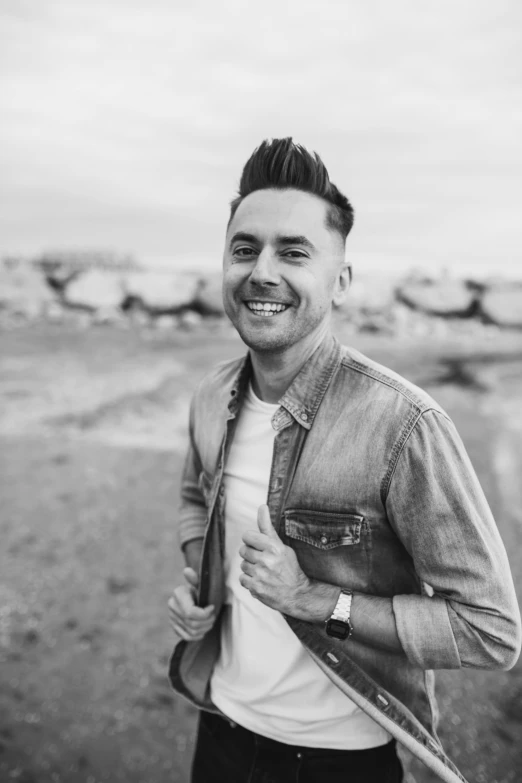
283, 164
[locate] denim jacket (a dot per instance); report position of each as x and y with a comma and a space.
371, 486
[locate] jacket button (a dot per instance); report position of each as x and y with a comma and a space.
324, 540
304, 417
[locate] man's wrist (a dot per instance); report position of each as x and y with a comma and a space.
316, 602
192, 552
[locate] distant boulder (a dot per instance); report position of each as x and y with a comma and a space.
369, 295
448, 298
95, 290
59, 277
189, 320
165, 323
502, 306
23, 290
109, 316
160, 293
209, 296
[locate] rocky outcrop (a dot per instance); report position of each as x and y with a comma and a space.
132, 298
160, 293
94, 291
58, 278
209, 296
369, 296
369, 305
443, 297
23, 291
502, 306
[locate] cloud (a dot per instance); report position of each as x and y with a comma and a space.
134, 120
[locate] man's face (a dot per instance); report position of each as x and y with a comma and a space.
282, 269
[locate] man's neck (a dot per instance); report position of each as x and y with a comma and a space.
273, 373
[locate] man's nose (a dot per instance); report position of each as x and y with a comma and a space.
266, 270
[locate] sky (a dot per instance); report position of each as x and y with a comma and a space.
124, 125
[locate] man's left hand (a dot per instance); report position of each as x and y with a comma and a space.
270, 569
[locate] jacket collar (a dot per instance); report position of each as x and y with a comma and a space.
304, 395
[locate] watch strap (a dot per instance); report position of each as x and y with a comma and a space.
343, 607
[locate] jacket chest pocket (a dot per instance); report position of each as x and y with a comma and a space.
330, 546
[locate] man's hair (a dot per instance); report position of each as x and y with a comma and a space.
283, 164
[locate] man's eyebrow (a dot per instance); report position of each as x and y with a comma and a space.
296, 240
242, 236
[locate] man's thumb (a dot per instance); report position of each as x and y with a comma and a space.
264, 522
191, 577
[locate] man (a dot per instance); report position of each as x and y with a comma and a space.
338, 545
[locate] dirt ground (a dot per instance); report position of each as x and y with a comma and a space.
92, 431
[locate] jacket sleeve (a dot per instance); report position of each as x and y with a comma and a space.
468, 615
193, 509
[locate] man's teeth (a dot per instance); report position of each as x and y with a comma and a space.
266, 308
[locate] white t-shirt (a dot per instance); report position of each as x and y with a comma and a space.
264, 679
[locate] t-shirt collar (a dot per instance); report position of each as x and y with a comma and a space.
305, 393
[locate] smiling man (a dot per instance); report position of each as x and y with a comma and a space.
338, 545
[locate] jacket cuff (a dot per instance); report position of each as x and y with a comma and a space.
193, 527
425, 632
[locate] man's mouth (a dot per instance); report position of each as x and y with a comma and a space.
266, 309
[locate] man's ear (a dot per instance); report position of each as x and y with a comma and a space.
342, 283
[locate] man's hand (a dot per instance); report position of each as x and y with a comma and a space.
189, 621
270, 569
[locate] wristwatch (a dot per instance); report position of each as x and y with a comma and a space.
339, 625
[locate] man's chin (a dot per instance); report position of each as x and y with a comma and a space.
264, 343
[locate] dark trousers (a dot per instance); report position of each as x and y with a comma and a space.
228, 753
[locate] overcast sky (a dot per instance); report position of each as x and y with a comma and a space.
125, 124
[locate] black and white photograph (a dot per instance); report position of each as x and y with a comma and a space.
260, 391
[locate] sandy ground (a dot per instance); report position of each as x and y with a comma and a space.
92, 430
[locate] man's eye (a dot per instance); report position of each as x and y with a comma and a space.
244, 252
294, 254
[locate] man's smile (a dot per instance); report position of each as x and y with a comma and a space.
266, 309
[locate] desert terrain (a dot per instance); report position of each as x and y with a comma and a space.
93, 428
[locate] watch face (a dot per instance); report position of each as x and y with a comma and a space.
337, 629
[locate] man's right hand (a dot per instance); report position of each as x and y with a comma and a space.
189, 621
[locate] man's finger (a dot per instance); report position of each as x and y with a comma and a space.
256, 540
194, 614
247, 568
187, 607
245, 581
188, 636
191, 627
190, 621
247, 553
172, 604
196, 628
184, 598
180, 631
200, 612
191, 577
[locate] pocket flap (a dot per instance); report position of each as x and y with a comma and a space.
322, 529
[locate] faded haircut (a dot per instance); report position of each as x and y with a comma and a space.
283, 164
